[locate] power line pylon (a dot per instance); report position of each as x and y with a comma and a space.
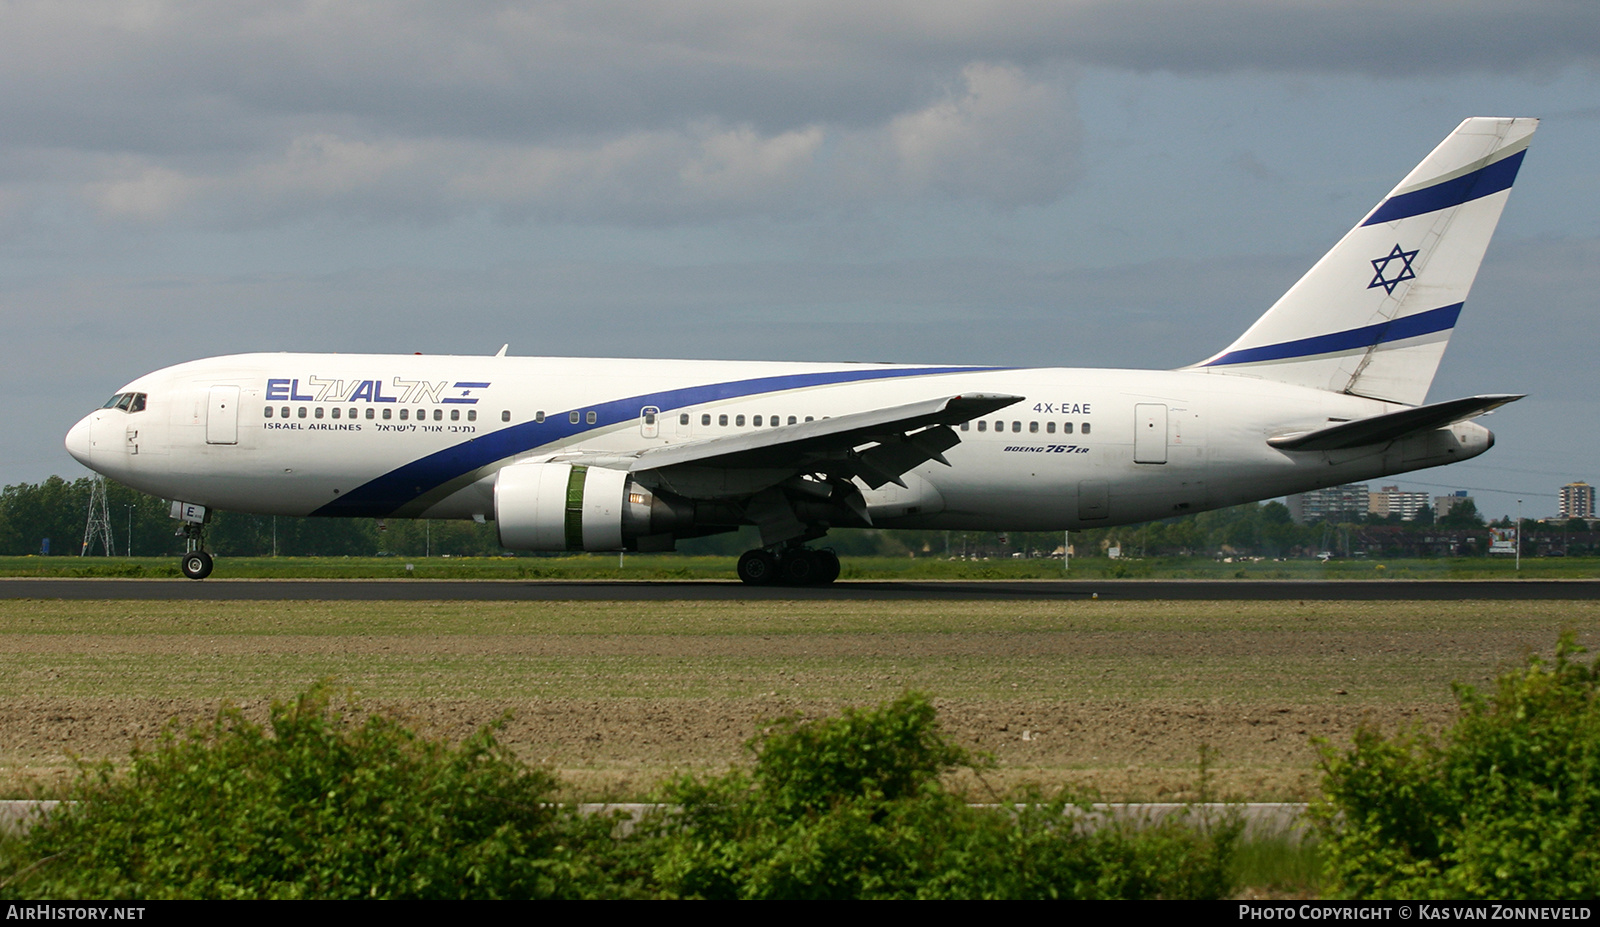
99, 525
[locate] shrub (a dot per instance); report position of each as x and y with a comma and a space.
320, 807
1504, 805
853, 807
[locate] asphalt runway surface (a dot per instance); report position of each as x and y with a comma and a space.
710, 591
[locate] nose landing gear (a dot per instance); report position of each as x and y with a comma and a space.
196, 564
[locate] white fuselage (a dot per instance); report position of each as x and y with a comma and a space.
421, 436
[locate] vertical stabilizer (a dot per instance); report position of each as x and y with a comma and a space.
1373, 316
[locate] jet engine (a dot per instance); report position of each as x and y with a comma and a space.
558, 506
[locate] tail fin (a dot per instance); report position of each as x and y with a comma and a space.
1373, 316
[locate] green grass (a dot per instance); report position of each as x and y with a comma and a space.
1278, 866
659, 567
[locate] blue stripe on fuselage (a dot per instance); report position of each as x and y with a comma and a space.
1491, 178
1355, 339
391, 491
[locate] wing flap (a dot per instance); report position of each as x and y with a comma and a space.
1390, 426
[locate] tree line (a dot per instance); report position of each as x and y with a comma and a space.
50, 518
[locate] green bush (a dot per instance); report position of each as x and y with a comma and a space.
853, 807
1505, 805
317, 805
322, 807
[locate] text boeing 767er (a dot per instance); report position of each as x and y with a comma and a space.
566, 454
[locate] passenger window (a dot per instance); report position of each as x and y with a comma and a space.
810, 419
791, 420
438, 415
1016, 427
999, 426
738, 421
405, 414
354, 413
537, 416
1085, 427
964, 425
683, 418
472, 415
705, 419
1049, 428
774, 421
283, 412
572, 417
1033, 428
269, 411
387, 413
756, 421
302, 412
1066, 428
983, 426
370, 413
335, 412
455, 415
591, 417
723, 419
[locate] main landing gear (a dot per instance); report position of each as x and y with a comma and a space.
792, 566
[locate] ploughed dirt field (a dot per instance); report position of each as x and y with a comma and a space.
1120, 697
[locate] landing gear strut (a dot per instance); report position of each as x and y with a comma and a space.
196, 564
792, 566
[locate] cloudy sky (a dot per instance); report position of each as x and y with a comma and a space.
1078, 182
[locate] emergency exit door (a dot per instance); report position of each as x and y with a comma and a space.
1150, 433
222, 415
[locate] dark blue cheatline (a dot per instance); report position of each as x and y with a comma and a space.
1354, 339
388, 493
1491, 178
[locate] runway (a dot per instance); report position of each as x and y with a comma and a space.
710, 591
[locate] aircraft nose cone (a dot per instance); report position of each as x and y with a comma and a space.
78, 443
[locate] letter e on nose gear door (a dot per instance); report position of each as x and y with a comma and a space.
1150, 433
649, 422
222, 415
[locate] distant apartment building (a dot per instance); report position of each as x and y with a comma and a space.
1391, 501
1336, 504
1577, 500
1443, 504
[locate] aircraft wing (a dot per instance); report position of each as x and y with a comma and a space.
877, 445
919, 429
1389, 426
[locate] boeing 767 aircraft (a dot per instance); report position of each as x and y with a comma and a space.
568, 454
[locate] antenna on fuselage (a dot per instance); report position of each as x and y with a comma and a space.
99, 524
503, 349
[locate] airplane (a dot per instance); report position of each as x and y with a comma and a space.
566, 454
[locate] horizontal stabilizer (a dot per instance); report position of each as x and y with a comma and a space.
1383, 428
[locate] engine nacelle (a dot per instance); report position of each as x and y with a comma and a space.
559, 506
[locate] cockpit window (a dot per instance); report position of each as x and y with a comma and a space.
127, 402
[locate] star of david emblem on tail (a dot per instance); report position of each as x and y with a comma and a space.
1380, 267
